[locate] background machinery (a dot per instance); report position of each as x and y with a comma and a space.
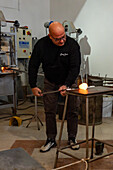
15, 51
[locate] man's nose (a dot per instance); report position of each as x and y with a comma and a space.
61, 40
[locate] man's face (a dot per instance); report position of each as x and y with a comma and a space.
58, 40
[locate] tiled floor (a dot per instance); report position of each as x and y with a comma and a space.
31, 138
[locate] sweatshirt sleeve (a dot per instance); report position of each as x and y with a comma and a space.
75, 62
34, 64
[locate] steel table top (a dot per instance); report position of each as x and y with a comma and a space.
98, 90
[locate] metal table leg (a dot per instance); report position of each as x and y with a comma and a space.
93, 129
61, 130
87, 135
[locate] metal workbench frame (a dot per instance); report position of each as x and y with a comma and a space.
8, 88
95, 91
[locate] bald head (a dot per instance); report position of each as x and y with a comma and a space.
57, 33
56, 28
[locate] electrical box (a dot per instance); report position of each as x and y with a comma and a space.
24, 43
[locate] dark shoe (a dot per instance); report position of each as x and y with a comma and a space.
50, 143
72, 143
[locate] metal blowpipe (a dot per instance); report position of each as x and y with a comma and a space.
50, 92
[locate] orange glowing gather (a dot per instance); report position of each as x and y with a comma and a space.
2, 68
5, 70
83, 86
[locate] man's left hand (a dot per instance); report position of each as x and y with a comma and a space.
62, 90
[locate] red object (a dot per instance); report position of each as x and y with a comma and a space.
28, 33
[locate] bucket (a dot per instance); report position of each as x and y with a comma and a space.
92, 104
15, 121
99, 146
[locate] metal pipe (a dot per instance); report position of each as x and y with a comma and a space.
61, 130
87, 123
10, 21
0, 37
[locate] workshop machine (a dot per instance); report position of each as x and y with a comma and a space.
8, 65
71, 30
24, 50
24, 42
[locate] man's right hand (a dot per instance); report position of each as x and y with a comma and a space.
36, 91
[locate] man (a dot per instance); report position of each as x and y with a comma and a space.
61, 59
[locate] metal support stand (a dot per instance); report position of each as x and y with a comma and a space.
36, 117
89, 93
61, 129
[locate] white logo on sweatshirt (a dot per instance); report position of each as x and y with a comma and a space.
63, 54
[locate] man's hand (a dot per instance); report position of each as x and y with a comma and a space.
62, 90
36, 91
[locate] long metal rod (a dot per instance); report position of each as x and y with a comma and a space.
87, 135
106, 143
0, 37
50, 92
69, 154
61, 130
36, 112
15, 93
68, 146
54, 91
93, 127
10, 21
94, 159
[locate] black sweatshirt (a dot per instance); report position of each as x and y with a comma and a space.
61, 64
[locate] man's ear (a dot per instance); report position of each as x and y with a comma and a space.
49, 36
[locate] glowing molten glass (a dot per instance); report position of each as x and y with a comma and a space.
83, 86
2, 68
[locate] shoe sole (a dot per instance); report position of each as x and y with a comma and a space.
49, 148
73, 145
75, 148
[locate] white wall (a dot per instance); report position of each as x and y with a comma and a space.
31, 13
96, 21
95, 18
